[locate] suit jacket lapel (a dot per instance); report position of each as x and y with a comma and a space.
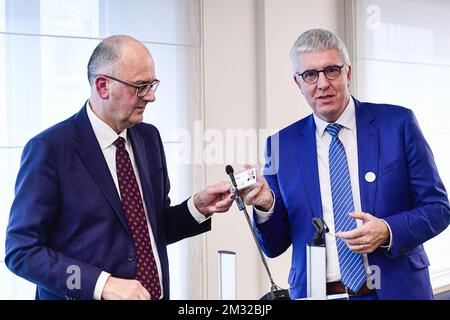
92, 156
307, 161
368, 152
142, 164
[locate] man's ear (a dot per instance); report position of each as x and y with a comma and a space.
101, 86
297, 82
349, 75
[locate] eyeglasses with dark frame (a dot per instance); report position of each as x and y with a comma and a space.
141, 89
312, 76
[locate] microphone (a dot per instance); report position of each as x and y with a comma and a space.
240, 203
276, 293
230, 171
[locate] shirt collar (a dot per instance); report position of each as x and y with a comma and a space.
103, 132
347, 119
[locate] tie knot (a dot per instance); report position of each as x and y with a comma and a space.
120, 143
333, 129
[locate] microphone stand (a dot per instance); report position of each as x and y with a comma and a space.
276, 293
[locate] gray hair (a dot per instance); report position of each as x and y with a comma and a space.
316, 40
105, 56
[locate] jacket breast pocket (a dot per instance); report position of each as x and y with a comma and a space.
390, 167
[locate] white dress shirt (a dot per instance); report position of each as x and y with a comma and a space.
106, 136
348, 137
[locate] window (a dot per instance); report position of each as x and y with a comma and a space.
44, 49
402, 58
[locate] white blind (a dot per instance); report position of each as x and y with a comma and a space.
44, 50
402, 57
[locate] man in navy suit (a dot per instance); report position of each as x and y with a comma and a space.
91, 217
395, 198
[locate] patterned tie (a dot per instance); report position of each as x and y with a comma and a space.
146, 270
350, 263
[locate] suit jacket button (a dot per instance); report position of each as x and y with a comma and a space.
130, 257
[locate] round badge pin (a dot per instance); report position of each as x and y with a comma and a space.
370, 177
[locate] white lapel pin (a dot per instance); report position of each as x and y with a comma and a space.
370, 176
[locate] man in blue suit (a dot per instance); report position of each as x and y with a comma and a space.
91, 217
364, 168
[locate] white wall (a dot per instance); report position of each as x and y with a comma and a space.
248, 84
230, 102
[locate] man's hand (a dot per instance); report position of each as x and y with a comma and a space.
215, 198
368, 237
124, 289
258, 195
